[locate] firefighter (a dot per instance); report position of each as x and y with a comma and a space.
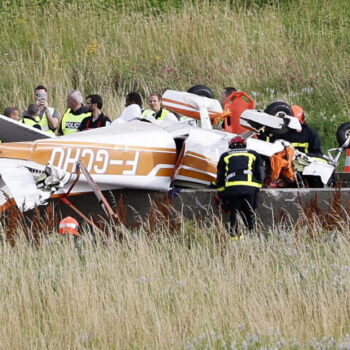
239, 178
306, 140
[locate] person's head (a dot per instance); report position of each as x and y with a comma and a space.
155, 102
32, 110
74, 99
133, 98
12, 112
94, 102
237, 142
40, 92
226, 93
299, 113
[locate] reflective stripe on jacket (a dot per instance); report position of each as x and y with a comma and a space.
301, 146
33, 122
241, 176
150, 114
239, 172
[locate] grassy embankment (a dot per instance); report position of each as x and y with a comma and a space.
297, 50
191, 290
187, 290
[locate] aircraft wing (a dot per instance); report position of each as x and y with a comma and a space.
14, 131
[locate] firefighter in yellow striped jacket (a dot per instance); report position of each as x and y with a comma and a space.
239, 178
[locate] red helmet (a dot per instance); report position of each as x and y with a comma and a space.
298, 112
237, 140
68, 226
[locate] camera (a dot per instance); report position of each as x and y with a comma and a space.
41, 96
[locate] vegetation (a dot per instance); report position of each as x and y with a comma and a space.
295, 50
193, 289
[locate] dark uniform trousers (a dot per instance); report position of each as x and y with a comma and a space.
243, 206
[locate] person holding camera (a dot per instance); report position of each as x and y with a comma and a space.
49, 117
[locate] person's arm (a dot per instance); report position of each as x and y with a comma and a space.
59, 131
220, 177
53, 122
82, 125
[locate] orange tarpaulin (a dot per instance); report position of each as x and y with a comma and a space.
281, 164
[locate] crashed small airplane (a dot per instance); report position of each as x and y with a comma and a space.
151, 155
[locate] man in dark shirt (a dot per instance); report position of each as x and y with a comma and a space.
97, 119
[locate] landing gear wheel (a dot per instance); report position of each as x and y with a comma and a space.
279, 109
343, 133
201, 90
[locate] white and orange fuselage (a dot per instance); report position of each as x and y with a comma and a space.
137, 155
134, 155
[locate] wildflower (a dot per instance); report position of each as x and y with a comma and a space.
92, 48
142, 279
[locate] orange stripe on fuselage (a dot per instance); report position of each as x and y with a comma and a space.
98, 158
196, 175
200, 164
192, 114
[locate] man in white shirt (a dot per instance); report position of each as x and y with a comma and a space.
133, 110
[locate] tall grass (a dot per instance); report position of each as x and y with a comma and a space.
296, 50
193, 290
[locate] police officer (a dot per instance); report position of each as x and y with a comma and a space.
31, 117
156, 110
76, 112
239, 178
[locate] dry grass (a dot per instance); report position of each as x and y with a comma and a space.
186, 290
270, 51
179, 284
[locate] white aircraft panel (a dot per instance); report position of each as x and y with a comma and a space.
14, 131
